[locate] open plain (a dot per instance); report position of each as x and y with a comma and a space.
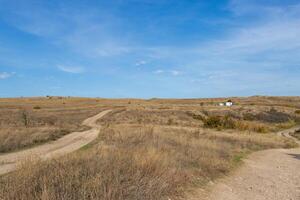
146, 149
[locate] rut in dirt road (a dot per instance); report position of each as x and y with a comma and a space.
62, 146
266, 175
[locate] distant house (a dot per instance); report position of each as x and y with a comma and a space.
227, 103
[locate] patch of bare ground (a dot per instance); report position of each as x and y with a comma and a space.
265, 175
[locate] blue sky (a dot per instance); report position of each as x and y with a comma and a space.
149, 48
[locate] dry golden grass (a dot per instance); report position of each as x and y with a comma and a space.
12, 139
296, 134
22, 125
136, 162
153, 149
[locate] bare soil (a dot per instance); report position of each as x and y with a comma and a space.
265, 175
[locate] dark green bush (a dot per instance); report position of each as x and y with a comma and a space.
212, 122
223, 122
228, 123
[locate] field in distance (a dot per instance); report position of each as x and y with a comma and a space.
146, 149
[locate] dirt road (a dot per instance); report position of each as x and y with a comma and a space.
62, 146
265, 175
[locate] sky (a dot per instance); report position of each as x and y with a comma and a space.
149, 48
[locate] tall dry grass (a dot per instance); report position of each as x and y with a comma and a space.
22, 125
50, 118
296, 134
148, 149
12, 139
130, 162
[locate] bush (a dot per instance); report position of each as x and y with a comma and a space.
249, 117
228, 123
212, 122
220, 122
296, 134
170, 121
260, 129
272, 116
195, 116
36, 107
297, 112
25, 118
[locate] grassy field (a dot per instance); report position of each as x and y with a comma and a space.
27, 122
146, 149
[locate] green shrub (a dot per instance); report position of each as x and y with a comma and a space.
271, 116
25, 118
198, 117
220, 122
260, 129
170, 121
212, 122
249, 117
228, 123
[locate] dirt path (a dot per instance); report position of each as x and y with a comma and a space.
265, 175
62, 146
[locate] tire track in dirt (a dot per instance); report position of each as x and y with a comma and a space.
67, 144
265, 175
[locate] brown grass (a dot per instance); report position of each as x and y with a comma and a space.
132, 162
23, 125
17, 138
296, 134
154, 149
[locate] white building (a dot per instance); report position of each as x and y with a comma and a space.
227, 103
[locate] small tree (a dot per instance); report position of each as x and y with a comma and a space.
25, 118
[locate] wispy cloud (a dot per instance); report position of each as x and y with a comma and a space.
141, 62
271, 42
5, 75
71, 69
168, 72
175, 72
159, 71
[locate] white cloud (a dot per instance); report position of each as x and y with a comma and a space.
71, 69
5, 75
168, 72
175, 72
141, 62
271, 42
159, 71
